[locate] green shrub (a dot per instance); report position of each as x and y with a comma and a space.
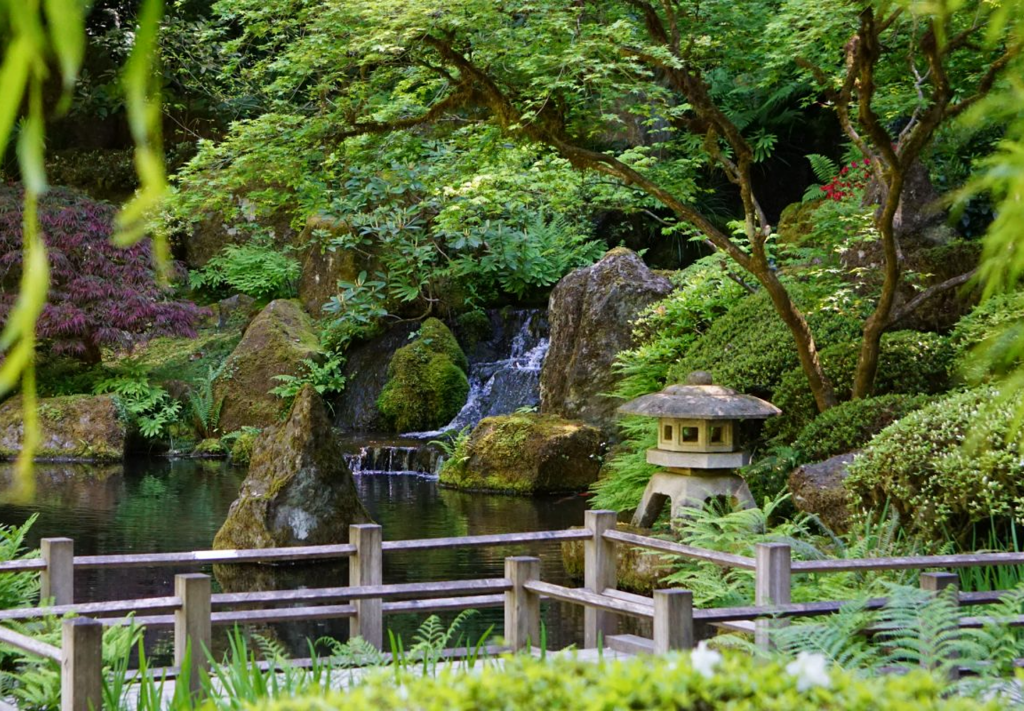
671, 682
910, 362
427, 383
944, 467
258, 271
666, 329
984, 339
750, 349
851, 425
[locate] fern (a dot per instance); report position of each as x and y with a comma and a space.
824, 167
204, 406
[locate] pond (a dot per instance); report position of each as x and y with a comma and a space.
156, 505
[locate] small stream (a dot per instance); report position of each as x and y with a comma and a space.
160, 505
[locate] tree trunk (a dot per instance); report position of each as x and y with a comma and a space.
821, 386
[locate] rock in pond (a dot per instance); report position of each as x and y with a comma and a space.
83, 428
275, 343
591, 313
299, 490
526, 453
427, 384
819, 489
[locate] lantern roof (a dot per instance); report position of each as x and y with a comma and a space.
699, 399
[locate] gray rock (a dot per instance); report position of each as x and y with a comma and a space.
299, 491
591, 313
819, 489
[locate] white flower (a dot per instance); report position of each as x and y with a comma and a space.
704, 660
810, 670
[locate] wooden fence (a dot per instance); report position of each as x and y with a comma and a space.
192, 610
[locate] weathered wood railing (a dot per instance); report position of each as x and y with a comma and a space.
193, 609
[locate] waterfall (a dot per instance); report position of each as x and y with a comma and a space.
504, 376
394, 457
502, 386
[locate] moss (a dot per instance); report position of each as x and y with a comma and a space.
910, 363
74, 427
275, 343
473, 327
186, 359
427, 384
851, 425
525, 453
749, 348
796, 222
209, 448
945, 467
241, 448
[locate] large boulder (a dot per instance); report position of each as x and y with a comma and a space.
275, 343
323, 266
591, 313
427, 383
366, 373
84, 428
819, 489
525, 453
299, 491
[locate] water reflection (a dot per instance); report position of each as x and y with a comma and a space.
158, 505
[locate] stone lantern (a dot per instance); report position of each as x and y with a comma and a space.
697, 445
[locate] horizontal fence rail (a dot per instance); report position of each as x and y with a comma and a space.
193, 610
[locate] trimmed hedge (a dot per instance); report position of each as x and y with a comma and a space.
851, 425
944, 467
911, 362
749, 348
666, 683
984, 338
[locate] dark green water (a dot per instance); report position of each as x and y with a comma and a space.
158, 505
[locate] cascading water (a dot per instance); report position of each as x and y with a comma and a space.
500, 387
504, 376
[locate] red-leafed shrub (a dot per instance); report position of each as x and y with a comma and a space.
100, 295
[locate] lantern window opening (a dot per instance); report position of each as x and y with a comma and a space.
667, 434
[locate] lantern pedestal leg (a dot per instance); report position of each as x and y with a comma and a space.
689, 491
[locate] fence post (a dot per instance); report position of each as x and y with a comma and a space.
673, 620
771, 586
522, 607
57, 582
936, 583
366, 567
599, 574
81, 667
192, 634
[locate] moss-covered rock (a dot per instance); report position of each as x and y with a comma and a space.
299, 490
526, 453
591, 312
638, 571
275, 343
323, 268
796, 222
209, 448
427, 384
910, 363
74, 428
820, 489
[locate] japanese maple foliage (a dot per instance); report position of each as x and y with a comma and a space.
100, 295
